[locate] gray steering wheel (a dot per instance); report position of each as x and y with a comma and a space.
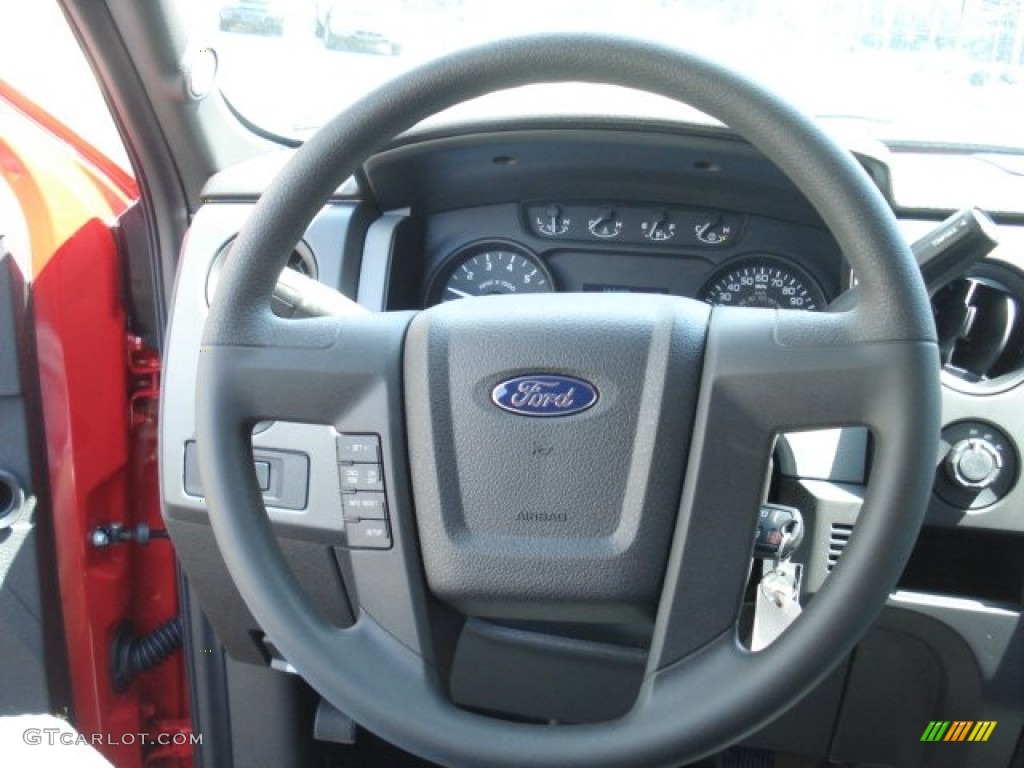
691, 400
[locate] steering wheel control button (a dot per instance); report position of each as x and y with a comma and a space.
364, 506
977, 465
358, 449
368, 534
361, 477
545, 395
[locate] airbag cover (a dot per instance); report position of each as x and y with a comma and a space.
527, 505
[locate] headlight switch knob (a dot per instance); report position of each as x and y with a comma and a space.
974, 463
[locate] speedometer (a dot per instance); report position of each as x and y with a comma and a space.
487, 268
763, 281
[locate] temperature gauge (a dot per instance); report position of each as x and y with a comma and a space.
715, 229
606, 225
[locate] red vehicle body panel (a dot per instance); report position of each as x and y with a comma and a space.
99, 387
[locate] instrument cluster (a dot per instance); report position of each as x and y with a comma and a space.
629, 248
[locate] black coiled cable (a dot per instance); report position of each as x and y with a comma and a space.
132, 655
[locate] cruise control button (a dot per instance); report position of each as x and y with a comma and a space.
368, 534
361, 477
361, 449
364, 506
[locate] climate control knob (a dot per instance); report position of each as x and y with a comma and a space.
974, 463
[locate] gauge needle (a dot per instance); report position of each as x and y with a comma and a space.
457, 292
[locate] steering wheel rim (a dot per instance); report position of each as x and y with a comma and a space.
888, 340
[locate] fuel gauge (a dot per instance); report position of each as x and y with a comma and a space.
658, 228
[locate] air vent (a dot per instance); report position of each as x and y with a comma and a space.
980, 320
838, 538
301, 260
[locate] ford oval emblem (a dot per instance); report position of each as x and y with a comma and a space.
544, 394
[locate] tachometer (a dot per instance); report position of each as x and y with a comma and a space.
488, 268
763, 281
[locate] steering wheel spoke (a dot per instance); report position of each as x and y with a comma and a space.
313, 371
346, 372
764, 374
768, 373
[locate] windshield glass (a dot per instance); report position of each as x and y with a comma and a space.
946, 72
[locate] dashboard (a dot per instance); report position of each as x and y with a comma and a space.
603, 206
722, 257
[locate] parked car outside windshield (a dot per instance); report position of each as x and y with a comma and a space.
945, 70
360, 25
266, 16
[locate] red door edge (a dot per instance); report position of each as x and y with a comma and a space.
99, 387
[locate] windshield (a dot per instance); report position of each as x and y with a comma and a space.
946, 72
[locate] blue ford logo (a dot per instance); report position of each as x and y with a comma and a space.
544, 395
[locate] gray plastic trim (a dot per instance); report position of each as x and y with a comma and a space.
927, 601
319, 516
839, 455
1003, 408
245, 181
375, 272
287, 476
992, 635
